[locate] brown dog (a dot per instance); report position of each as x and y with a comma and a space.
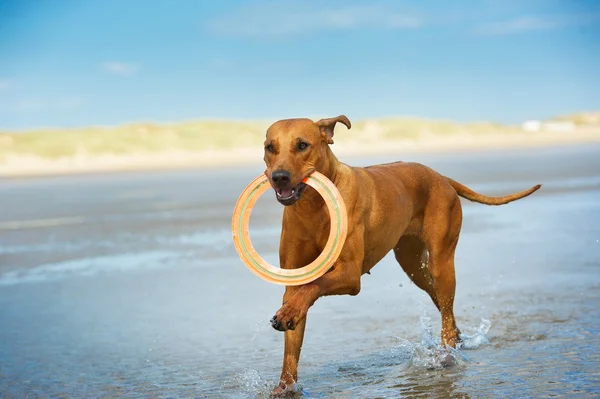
405, 207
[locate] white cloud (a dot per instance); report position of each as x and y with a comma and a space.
294, 18
535, 23
120, 68
517, 25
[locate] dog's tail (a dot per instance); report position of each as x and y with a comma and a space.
471, 195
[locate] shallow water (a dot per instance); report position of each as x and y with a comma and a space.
127, 285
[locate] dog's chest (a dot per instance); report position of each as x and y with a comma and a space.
311, 227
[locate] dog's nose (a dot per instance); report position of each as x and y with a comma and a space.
281, 177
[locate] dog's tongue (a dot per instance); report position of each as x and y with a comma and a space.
285, 193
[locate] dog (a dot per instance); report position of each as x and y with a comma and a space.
403, 207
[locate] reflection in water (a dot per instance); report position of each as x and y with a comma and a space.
431, 385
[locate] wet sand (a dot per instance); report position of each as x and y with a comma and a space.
127, 285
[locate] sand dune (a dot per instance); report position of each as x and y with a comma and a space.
205, 144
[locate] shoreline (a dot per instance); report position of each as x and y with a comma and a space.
32, 166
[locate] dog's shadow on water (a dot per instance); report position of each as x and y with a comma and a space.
409, 370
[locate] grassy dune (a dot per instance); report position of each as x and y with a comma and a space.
142, 145
133, 138
210, 135
581, 118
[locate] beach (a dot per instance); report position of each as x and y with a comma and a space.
118, 285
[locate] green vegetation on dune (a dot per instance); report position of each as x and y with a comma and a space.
414, 128
196, 136
133, 138
581, 118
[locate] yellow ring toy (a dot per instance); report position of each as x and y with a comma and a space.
303, 275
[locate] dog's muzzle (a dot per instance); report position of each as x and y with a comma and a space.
285, 194
288, 196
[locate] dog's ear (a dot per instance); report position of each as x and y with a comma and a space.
326, 126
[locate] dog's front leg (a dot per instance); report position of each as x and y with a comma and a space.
342, 279
291, 355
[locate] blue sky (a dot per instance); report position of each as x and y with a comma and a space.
106, 62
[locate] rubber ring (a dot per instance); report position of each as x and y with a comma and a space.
303, 275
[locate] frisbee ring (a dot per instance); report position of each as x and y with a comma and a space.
306, 274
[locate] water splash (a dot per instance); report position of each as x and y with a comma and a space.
251, 381
260, 327
430, 354
249, 384
478, 338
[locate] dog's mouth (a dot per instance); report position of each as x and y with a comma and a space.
289, 196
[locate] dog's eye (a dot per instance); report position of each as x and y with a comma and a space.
269, 148
302, 146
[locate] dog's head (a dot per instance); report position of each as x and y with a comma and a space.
294, 148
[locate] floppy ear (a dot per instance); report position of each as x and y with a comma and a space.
326, 126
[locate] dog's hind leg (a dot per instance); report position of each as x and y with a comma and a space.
443, 229
411, 254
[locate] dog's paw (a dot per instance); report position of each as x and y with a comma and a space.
287, 318
447, 360
283, 391
282, 325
